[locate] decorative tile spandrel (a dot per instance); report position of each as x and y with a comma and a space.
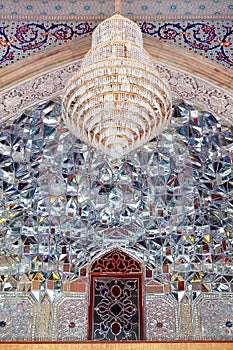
161, 318
70, 318
17, 317
214, 316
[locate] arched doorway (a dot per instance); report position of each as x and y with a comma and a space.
116, 298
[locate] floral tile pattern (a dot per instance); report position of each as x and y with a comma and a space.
211, 39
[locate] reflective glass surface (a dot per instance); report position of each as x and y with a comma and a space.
170, 204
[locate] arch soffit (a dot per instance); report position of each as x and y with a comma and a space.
201, 82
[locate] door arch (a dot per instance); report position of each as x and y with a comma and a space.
116, 297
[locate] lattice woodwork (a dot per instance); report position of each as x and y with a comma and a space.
116, 261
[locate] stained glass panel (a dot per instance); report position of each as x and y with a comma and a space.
116, 309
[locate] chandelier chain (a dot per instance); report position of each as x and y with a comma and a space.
118, 6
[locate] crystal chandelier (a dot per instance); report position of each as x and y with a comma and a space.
117, 101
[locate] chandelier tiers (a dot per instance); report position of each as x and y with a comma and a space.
117, 101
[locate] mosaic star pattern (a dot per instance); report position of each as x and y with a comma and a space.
169, 204
211, 39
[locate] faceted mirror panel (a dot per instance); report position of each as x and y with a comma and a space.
169, 204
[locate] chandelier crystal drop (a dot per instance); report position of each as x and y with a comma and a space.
117, 101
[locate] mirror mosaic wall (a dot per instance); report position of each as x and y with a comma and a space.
167, 208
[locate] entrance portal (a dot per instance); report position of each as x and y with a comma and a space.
115, 309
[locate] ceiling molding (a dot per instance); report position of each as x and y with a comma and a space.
43, 77
94, 9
